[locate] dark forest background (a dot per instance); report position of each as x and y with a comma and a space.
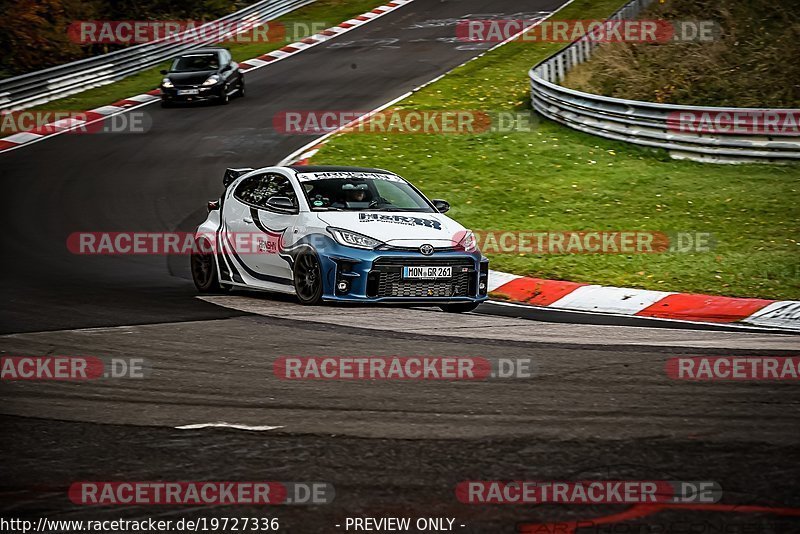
33, 33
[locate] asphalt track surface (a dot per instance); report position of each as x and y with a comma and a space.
599, 404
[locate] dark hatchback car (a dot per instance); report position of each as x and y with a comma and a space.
206, 74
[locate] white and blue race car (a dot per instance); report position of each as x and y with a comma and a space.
337, 234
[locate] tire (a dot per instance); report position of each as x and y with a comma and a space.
241, 88
460, 307
307, 276
204, 269
225, 98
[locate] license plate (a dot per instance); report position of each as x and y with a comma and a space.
427, 272
182, 92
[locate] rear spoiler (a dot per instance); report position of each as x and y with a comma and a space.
233, 174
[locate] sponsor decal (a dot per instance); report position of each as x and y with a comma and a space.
330, 175
406, 220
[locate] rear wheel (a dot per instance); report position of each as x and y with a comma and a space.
308, 279
204, 269
460, 307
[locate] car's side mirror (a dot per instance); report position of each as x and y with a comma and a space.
280, 203
164, 72
442, 206
227, 67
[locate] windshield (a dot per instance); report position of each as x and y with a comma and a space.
354, 193
195, 63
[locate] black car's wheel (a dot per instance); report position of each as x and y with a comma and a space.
308, 279
460, 308
241, 87
204, 270
225, 98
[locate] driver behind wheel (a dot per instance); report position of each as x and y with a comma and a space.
354, 196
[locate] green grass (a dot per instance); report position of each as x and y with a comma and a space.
556, 179
331, 12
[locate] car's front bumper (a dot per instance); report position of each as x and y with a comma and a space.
204, 94
352, 275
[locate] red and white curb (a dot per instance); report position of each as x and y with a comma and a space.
73, 123
20, 139
574, 296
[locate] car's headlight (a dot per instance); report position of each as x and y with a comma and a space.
353, 239
469, 243
166, 82
211, 80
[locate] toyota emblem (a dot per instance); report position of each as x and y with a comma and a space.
426, 249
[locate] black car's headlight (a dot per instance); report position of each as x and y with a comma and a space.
211, 80
166, 82
354, 239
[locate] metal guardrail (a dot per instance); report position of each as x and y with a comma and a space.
646, 123
27, 90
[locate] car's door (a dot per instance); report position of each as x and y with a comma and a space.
229, 70
258, 232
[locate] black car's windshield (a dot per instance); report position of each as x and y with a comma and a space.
362, 192
195, 62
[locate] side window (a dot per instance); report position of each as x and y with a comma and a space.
256, 190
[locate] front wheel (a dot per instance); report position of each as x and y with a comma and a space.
204, 270
241, 88
460, 307
308, 279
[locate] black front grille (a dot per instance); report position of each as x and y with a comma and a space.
386, 278
401, 262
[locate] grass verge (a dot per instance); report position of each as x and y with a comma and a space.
331, 12
557, 179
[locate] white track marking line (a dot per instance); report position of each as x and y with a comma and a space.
236, 426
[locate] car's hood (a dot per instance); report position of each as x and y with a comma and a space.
190, 78
401, 229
